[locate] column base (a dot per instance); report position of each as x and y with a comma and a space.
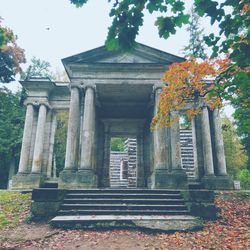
221, 182
84, 178
161, 178
141, 182
27, 181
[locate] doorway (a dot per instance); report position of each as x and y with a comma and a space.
123, 162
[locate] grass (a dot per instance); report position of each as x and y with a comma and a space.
14, 208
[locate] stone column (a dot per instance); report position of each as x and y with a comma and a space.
38, 148
73, 130
196, 169
218, 143
87, 175
177, 177
223, 181
51, 145
159, 178
160, 150
199, 146
140, 162
207, 144
27, 134
106, 157
175, 143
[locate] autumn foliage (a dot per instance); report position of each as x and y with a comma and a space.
11, 55
229, 231
188, 84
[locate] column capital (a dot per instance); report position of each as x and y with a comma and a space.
89, 85
38, 103
158, 86
76, 85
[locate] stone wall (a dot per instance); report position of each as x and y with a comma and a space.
129, 156
115, 169
187, 152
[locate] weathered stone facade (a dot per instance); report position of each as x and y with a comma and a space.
114, 93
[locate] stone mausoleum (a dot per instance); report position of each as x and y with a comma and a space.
115, 94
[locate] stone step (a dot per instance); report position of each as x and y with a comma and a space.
126, 191
122, 206
127, 201
195, 185
78, 218
50, 184
122, 195
122, 212
167, 223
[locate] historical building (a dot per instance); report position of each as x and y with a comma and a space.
115, 93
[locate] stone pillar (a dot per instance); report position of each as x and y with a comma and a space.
209, 178
38, 148
51, 145
218, 143
178, 177
27, 134
198, 144
73, 130
175, 144
86, 170
223, 181
105, 181
161, 150
140, 162
207, 144
68, 178
196, 169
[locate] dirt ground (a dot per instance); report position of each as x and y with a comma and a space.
230, 231
42, 236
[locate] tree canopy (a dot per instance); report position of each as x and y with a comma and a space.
11, 55
196, 45
11, 130
236, 157
37, 68
232, 43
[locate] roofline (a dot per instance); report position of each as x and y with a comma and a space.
64, 60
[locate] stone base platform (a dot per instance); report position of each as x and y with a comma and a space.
161, 178
222, 182
71, 179
150, 222
27, 181
156, 209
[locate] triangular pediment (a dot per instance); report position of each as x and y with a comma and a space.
139, 54
124, 58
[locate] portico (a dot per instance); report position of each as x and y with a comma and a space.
114, 93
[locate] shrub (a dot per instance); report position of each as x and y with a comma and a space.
244, 177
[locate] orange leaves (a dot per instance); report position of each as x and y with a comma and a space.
186, 83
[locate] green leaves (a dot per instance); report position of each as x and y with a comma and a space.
165, 26
128, 18
11, 56
178, 6
156, 5
37, 68
78, 3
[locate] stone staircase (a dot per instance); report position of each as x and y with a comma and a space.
187, 152
82, 206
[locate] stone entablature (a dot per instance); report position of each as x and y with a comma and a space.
114, 93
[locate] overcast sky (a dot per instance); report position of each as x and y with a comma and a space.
54, 29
